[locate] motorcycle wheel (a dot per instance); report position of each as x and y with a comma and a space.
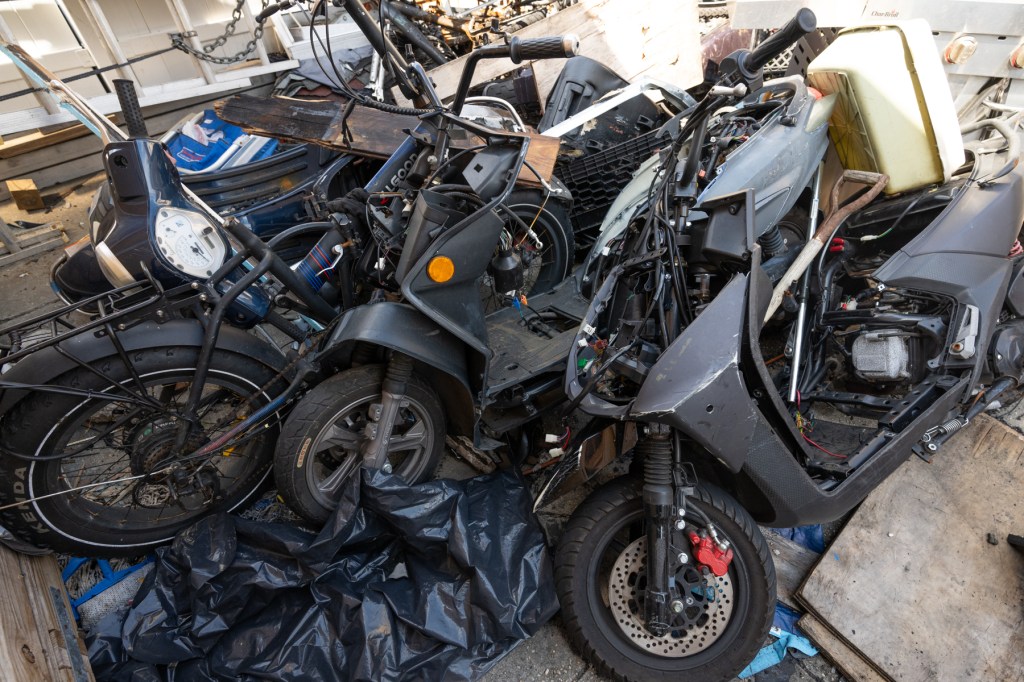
93, 510
599, 574
320, 443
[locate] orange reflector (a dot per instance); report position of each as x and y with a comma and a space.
440, 268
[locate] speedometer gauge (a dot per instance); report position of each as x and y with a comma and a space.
189, 242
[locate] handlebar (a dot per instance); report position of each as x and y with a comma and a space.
551, 47
800, 25
272, 9
518, 49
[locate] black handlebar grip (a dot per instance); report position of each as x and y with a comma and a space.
554, 47
270, 10
803, 23
130, 108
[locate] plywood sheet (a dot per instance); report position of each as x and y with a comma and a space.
792, 565
911, 582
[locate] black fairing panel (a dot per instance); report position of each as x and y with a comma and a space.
979, 220
696, 385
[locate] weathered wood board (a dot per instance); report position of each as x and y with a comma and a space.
911, 582
792, 565
372, 132
38, 636
847, 660
657, 38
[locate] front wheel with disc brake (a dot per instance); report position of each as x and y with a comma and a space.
601, 574
108, 478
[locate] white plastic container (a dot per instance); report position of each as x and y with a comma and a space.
894, 113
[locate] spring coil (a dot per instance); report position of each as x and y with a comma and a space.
772, 242
952, 426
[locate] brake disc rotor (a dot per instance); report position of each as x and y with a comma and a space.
690, 633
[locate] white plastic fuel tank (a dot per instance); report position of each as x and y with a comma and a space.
894, 113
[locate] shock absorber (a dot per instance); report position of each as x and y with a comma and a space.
655, 448
395, 384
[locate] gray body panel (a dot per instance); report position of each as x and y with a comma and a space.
696, 385
963, 253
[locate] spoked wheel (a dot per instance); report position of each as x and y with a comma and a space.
545, 265
600, 572
121, 485
322, 440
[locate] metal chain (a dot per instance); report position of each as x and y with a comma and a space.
178, 39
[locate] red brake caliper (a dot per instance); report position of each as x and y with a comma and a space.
709, 553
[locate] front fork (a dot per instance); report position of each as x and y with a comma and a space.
383, 418
667, 485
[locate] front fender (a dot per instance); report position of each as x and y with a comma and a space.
47, 364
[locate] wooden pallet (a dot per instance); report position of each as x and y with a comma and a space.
911, 587
29, 243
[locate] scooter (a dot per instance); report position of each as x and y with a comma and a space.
161, 406
781, 401
498, 373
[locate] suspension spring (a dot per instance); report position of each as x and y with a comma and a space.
656, 453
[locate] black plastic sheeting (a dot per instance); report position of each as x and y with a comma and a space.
436, 581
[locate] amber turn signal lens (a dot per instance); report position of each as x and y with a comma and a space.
440, 268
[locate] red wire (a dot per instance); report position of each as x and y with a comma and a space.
827, 452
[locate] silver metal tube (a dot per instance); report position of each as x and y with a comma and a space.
801, 318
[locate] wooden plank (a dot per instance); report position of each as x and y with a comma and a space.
911, 582
847, 660
792, 565
372, 132
38, 636
631, 37
25, 194
30, 252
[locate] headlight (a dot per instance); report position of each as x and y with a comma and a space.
189, 241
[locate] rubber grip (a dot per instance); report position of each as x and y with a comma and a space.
803, 23
268, 11
553, 47
130, 108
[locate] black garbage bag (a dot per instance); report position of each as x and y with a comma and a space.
436, 581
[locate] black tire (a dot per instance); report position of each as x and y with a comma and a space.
127, 519
544, 267
552, 224
586, 553
303, 460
